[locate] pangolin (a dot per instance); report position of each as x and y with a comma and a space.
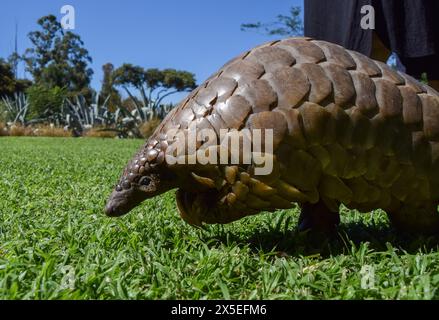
345, 130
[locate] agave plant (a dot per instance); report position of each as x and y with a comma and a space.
126, 123
16, 108
143, 111
80, 116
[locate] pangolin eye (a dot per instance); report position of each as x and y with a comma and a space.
145, 181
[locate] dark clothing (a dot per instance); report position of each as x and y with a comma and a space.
417, 66
338, 21
410, 28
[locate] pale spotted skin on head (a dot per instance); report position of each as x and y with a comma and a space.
347, 130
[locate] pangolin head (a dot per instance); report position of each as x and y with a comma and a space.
199, 199
144, 177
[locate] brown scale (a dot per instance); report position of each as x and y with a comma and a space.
347, 129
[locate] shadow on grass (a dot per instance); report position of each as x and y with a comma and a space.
290, 242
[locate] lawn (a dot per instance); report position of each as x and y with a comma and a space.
56, 243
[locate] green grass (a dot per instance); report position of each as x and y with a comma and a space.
56, 243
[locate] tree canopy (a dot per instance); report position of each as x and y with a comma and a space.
285, 25
58, 58
107, 89
7, 80
153, 84
8, 84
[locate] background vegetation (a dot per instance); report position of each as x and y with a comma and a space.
60, 95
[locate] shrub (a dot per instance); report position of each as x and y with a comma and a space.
98, 133
51, 131
3, 130
45, 101
16, 130
19, 131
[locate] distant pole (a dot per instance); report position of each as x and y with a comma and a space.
16, 50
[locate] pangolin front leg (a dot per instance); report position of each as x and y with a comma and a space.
318, 218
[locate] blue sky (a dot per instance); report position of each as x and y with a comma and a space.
194, 35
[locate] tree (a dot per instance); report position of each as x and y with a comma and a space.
58, 58
7, 80
8, 84
13, 60
108, 89
153, 84
286, 25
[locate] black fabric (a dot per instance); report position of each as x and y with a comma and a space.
338, 21
417, 66
408, 27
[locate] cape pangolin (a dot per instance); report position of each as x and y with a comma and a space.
346, 130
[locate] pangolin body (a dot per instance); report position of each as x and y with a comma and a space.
346, 130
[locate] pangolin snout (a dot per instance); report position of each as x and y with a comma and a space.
121, 202
113, 210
